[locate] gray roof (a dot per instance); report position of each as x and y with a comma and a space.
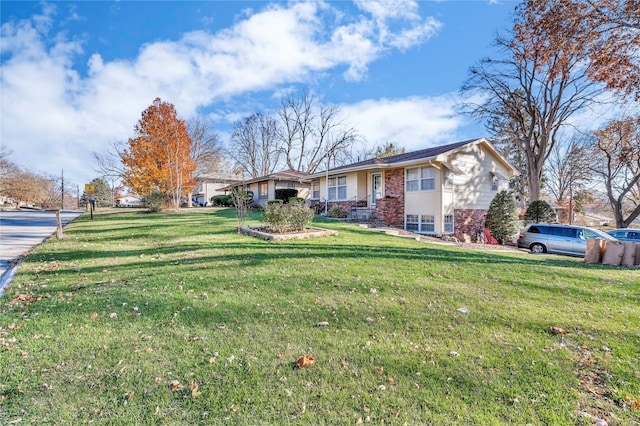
408, 156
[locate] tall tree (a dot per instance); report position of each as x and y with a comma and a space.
103, 195
615, 160
535, 99
607, 32
567, 173
206, 149
505, 131
254, 145
312, 132
158, 158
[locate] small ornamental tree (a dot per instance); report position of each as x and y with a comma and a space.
502, 217
241, 200
539, 211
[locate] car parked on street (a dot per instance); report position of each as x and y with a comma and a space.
626, 234
560, 239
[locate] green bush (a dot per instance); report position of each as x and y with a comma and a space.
285, 193
299, 214
296, 200
502, 216
155, 201
280, 216
275, 216
337, 212
222, 200
539, 211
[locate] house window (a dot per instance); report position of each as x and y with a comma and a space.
263, 190
427, 179
413, 177
420, 179
420, 223
315, 188
448, 179
412, 223
427, 223
285, 184
448, 224
494, 182
338, 188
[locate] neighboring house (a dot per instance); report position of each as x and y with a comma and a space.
128, 201
211, 184
440, 190
264, 187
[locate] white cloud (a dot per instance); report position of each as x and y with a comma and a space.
412, 123
53, 117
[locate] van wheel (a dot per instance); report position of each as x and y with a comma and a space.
538, 248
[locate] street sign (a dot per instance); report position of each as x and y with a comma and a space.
89, 188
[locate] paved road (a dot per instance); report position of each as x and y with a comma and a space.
22, 230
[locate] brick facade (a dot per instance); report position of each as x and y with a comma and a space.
468, 222
390, 209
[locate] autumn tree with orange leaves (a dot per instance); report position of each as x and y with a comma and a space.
605, 32
158, 158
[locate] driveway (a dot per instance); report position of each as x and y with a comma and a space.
22, 230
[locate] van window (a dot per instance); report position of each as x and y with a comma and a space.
586, 233
633, 235
534, 230
563, 232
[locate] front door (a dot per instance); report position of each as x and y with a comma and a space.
376, 187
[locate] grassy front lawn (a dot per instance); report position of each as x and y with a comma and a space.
137, 318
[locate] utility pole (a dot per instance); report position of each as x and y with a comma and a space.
62, 185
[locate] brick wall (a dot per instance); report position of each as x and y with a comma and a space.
468, 222
390, 209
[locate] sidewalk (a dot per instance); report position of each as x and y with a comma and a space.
21, 231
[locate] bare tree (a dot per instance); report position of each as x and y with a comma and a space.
206, 149
538, 103
615, 159
567, 172
109, 163
311, 132
505, 131
254, 145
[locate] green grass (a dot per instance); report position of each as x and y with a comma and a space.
95, 328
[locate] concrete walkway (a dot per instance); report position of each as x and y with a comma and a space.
21, 231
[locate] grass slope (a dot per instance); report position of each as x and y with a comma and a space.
169, 319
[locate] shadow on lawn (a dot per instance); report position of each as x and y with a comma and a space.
192, 257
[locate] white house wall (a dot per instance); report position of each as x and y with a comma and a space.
473, 178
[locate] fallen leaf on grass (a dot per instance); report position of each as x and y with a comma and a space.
556, 330
305, 361
175, 385
94, 315
323, 323
194, 389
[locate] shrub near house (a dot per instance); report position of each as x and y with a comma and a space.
281, 217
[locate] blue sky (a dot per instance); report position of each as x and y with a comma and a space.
75, 76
